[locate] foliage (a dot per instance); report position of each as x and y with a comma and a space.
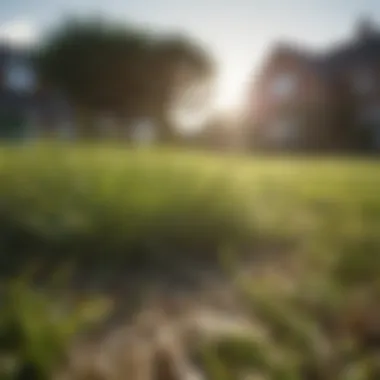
108, 69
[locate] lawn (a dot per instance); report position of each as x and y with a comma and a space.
116, 208
113, 204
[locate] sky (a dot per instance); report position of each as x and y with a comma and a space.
238, 33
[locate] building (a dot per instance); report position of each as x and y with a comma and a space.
27, 107
319, 100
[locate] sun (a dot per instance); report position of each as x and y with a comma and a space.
230, 88
227, 96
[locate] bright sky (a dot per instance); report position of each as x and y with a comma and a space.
238, 32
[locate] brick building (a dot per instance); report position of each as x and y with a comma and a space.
319, 100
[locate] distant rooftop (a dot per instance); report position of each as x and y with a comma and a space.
364, 46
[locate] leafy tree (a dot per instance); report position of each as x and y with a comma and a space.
106, 68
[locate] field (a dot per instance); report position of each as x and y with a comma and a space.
109, 212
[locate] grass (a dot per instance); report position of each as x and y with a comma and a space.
97, 201
324, 326
109, 207
96, 205
36, 329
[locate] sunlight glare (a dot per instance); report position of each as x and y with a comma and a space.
231, 87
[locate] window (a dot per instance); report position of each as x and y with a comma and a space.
284, 85
20, 77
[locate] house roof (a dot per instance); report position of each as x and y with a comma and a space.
310, 58
363, 48
354, 52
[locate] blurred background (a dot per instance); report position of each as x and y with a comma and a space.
189, 190
252, 75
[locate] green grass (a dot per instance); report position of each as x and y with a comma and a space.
99, 204
104, 204
109, 207
37, 329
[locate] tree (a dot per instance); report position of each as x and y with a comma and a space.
106, 68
